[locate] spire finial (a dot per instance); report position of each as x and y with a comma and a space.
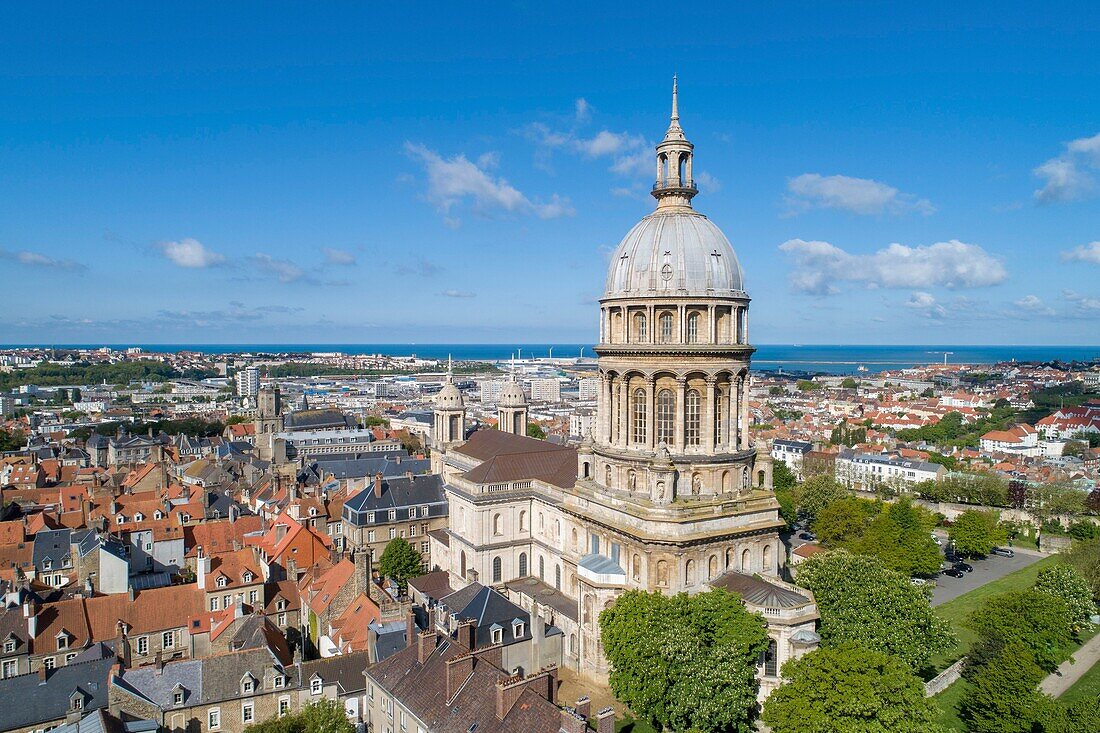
450, 373
675, 108
513, 375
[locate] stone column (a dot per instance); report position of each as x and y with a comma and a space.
678, 438
712, 326
650, 338
745, 412
709, 438
681, 311
624, 412
733, 431
650, 426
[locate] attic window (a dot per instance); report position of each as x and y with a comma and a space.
158, 514
177, 697
47, 564
315, 686
518, 627
120, 519
247, 577
222, 582
248, 685
62, 640
498, 636
9, 646
139, 517
77, 703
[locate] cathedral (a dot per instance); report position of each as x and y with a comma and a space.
668, 492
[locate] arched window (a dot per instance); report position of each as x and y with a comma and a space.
760, 479
497, 528
639, 426
636, 567
588, 609
557, 529
721, 407
573, 644
692, 411
557, 577
767, 557
523, 521
462, 565
665, 322
729, 558
640, 328
607, 477
746, 561
523, 564
497, 572
666, 416
771, 659
693, 328
542, 568
689, 572
712, 567
662, 573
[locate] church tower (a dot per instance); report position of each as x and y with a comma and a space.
512, 407
269, 420
449, 420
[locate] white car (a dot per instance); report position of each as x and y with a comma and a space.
936, 539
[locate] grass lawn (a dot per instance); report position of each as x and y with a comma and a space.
957, 611
628, 724
948, 702
1086, 687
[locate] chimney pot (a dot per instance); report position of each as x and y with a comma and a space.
584, 707
378, 485
425, 641
605, 721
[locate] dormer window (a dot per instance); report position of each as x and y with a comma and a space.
120, 519
158, 514
247, 577
76, 702
222, 581
47, 564
178, 694
281, 605
9, 646
313, 511
139, 517
62, 641
498, 634
248, 684
518, 628
278, 682
315, 686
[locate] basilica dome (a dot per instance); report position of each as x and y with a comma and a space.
679, 252
511, 395
449, 397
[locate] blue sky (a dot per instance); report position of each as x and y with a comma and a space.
415, 172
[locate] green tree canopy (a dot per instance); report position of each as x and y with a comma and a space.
864, 602
324, 716
848, 689
1037, 620
975, 533
1002, 697
849, 383
1066, 583
845, 520
685, 662
534, 430
1085, 557
817, 492
400, 561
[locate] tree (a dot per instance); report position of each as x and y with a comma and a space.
534, 430
862, 601
685, 662
1085, 557
1037, 620
807, 385
787, 511
1053, 499
324, 716
1066, 583
844, 521
775, 391
1082, 716
782, 478
400, 561
817, 492
236, 420
849, 688
375, 421
1075, 448
1002, 697
900, 539
975, 533
849, 383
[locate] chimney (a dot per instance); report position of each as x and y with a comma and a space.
584, 707
573, 722
605, 721
458, 671
158, 663
425, 645
378, 485
31, 614
508, 691
42, 674
203, 564
410, 629
132, 593
467, 634
552, 684
122, 649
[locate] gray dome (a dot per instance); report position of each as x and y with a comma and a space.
674, 253
511, 395
449, 397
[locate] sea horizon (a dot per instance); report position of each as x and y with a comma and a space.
815, 358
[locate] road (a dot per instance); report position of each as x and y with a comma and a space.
989, 569
1070, 671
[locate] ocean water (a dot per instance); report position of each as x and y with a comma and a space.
830, 359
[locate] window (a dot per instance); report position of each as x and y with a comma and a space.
315, 686
167, 640
498, 635
517, 629
139, 517
252, 596
692, 402
640, 326
720, 418
284, 706
693, 328
393, 532
214, 603
423, 548
497, 570
542, 568
370, 517
9, 669
142, 645
278, 682
247, 713
62, 641
666, 328
9, 646
158, 514
370, 535
412, 512
498, 525
522, 564
666, 416
412, 530
282, 618
77, 703
70, 657
214, 719
177, 697
393, 515
639, 426
771, 656
49, 663
248, 686
222, 581
247, 577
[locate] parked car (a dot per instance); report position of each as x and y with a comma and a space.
921, 581
807, 536
1003, 552
963, 566
953, 572
937, 540
950, 556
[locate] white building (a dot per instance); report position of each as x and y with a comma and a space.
581, 422
545, 390
868, 470
791, 453
248, 382
588, 388
490, 391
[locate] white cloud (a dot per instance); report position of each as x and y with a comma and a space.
37, 259
630, 154
284, 271
338, 256
706, 182
458, 294
820, 267
1085, 253
582, 110
1065, 177
454, 179
1034, 305
926, 305
190, 253
1084, 304
858, 195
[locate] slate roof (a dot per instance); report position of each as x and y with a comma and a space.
317, 419
43, 702
345, 670
488, 607
52, 544
345, 468
399, 492
759, 592
505, 457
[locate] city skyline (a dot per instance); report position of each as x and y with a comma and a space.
348, 178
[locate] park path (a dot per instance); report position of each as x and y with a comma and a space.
1069, 672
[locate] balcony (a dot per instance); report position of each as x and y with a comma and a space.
675, 184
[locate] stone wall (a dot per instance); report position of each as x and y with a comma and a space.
944, 679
